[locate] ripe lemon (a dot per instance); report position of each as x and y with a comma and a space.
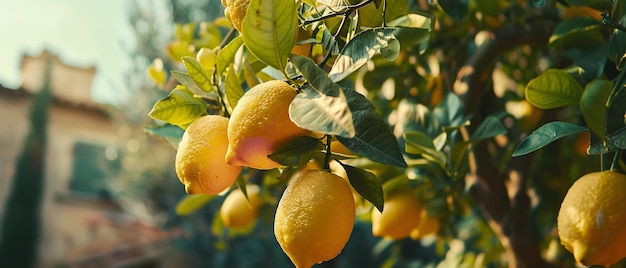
260, 124
314, 217
237, 211
200, 164
427, 225
592, 218
235, 11
400, 216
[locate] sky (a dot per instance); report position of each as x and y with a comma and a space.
82, 33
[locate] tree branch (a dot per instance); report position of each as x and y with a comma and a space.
502, 196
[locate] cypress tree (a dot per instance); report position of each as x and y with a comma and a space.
19, 233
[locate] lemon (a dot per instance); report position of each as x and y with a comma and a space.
592, 217
200, 164
235, 11
401, 214
314, 217
239, 212
427, 225
260, 124
207, 58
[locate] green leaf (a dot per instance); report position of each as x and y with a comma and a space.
191, 203
593, 104
226, 56
587, 59
328, 42
179, 108
416, 21
412, 115
546, 134
241, 184
610, 143
315, 111
391, 51
170, 133
366, 184
315, 76
491, 8
616, 110
413, 29
422, 144
250, 76
456, 9
185, 80
449, 111
198, 74
373, 138
359, 50
489, 128
269, 30
297, 152
601, 5
553, 89
617, 48
371, 16
577, 32
617, 42
322, 105
232, 89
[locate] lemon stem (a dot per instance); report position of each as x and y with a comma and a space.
606, 161
346, 12
328, 153
384, 13
611, 22
615, 163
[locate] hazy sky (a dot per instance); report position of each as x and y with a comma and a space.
82, 33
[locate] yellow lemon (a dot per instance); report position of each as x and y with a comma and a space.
235, 11
200, 164
427, 225
400, 216
592, 218
314, 217
239, 212
207, 58
260, 124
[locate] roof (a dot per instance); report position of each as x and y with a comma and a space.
23, 94
70, 85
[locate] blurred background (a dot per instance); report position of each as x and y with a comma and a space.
84, 184
81, 182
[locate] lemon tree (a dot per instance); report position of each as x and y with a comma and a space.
453, 122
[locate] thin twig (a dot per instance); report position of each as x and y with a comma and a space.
348, 10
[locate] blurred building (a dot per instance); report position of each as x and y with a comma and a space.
82, 225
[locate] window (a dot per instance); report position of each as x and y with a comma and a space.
93, 167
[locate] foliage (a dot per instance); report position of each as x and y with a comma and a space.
432, 97
21, 223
